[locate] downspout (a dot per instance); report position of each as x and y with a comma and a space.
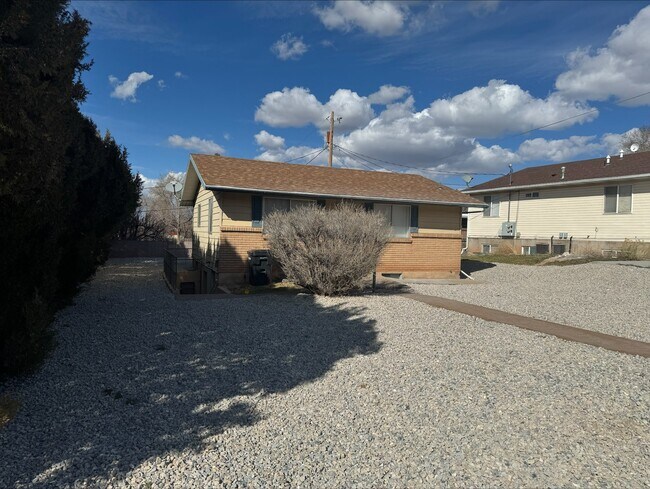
462, 252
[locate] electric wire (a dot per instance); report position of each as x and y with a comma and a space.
315, 156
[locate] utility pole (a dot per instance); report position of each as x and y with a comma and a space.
330, 140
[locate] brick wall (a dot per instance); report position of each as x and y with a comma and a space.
423, 256
420, 256
235, 244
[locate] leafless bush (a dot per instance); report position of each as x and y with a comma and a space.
327, 251
635, 249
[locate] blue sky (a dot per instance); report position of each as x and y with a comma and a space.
461, 81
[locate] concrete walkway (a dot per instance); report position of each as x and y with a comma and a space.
571, 333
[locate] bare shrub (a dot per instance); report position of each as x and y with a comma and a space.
327, 251
635, 249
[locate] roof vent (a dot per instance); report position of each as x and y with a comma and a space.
563, 169
620, 153
607, 160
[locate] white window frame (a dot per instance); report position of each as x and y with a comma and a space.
408, 219
489, 248
494, 202
618, 197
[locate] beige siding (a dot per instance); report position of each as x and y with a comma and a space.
577, 210
236, 209
439, 219
201, 235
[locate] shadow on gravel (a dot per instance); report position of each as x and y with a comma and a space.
138, 374
471, 266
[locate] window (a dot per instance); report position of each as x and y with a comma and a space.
398, 216
559, 249
486, 249
528, 250
198, 216
210, 209
618, 199
532, 195
272, 204
492, 210
542, 249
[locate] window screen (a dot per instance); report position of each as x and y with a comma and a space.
624, 199
610, 199
272, 205
401, 220
493, 206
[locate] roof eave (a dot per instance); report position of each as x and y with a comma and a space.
343, 196
585, 181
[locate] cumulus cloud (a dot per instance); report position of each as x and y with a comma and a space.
379, 18
499, 108
620, 69
558, 150
180, 74
269, 141
297, 107
161, 84
387, 94
289, 47
194, 143
127, 89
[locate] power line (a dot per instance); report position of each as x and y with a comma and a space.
446, 172
316, 156
303, 156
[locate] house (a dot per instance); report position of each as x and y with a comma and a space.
230, 197
581, 206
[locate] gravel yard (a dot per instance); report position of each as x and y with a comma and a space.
599, 296
278, 390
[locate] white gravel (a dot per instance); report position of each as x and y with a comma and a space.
599, 296
284, 391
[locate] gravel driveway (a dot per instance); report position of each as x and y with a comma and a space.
266, 391
599, 296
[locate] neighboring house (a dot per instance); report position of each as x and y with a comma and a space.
231, 196
581, 206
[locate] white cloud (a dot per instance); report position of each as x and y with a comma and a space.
161, 84
387, 94
499, 108
289, 47
269, 141
621, 69
559, 150
194, 143
127, 89
380, 18
226, 136
180, 74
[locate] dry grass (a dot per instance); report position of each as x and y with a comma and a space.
634, 249
511, 259
8, 409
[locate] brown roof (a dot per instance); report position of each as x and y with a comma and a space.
220, 172
629, 166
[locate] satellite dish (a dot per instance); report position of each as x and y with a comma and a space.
634, 148
467, 179
174, 187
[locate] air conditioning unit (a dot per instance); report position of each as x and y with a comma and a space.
564, 235
508, 229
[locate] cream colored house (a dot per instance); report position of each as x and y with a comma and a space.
589, 205
231, 196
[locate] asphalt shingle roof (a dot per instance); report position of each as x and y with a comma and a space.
630, 165
254, 175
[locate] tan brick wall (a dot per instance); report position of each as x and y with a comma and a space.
420, 256
234, 246
423, 256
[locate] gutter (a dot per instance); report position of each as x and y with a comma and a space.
340, 196
558, 184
